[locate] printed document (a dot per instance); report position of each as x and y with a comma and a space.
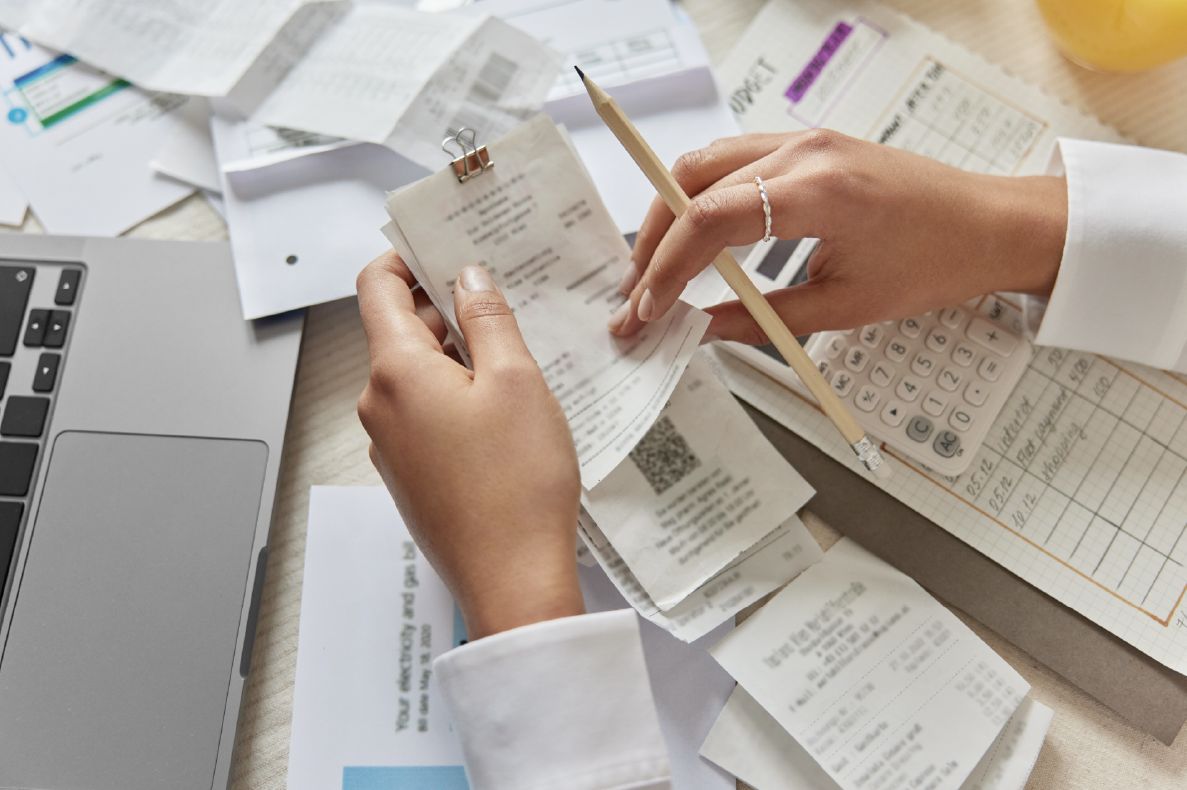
699, 489
536, 222
750, 744
73, 139
374, 614
869, 673
1079, 488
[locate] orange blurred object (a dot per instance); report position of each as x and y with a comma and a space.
1118, 35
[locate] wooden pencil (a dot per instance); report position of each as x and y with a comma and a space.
752, 299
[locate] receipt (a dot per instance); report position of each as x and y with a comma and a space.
869, 674
536, 222
750, 744
700, 488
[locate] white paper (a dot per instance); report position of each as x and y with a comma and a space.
245, 144
77, 142
750, 744
869, 674
12, 201
688, 686
188, 154
699, 489
374, 615
319, 211
766, 566
536, 222
204, 48
366, 592
1097, 517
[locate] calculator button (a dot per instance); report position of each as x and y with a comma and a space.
938, 340
934, 404
897, 350
976, 393
842, 383
908, 389
856, 359
990, 369
992, 308
923, 364
950, 379
893, 413
952, 317
881, 375
834, 346
919, 428
871, 336
960, 419
824, 367
910, 327
867, 398
946, 444
963, 355
993, 337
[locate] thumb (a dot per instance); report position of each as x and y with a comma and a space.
805, 308
487, 323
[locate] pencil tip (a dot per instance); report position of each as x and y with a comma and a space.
580, 73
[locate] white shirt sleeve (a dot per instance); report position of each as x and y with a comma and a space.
558, 704
1121, 290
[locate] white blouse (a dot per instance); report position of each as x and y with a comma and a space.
567, 703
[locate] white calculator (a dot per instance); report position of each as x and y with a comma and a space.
929, 387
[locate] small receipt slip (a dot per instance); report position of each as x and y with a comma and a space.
879, 683
535, 221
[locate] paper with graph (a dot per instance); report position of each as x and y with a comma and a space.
1081, 485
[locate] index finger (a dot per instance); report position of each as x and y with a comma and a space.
388, 309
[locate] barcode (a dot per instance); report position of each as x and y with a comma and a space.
493, 79
663, 456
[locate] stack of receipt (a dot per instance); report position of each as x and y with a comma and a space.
686, 505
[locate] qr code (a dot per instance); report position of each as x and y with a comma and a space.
663, 456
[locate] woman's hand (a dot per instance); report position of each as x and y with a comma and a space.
900, 234
481, 464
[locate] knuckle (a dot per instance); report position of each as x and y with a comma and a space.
818, 140
752, 335
689, 163
704, 211
480, 308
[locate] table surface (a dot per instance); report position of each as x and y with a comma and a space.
1088, 746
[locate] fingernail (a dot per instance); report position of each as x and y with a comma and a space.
629, 278
619, 317
475, 279
646, 306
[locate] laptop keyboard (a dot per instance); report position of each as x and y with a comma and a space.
35, 317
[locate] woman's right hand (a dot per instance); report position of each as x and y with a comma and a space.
900, 234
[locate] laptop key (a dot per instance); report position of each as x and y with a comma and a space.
55, 331
15, 284
67, 287
10, 523
24, 416
46, 375
5, 369
17, 460
35, 329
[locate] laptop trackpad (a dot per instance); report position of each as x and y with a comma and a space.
116, 669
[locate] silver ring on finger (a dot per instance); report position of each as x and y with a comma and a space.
766, 207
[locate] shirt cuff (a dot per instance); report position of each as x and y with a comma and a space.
563, 703
1122, 285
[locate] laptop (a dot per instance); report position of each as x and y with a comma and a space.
141, 425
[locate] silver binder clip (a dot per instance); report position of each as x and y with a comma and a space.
473, 160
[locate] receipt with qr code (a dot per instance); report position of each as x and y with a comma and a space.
700, 489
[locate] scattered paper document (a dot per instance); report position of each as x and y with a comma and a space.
700, 488
868, 673
188, 154
1078, 487
374, 614
77, 142
302, 228
766, 566
205, 49
12, 200
751, 745
535, 220
248, 145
